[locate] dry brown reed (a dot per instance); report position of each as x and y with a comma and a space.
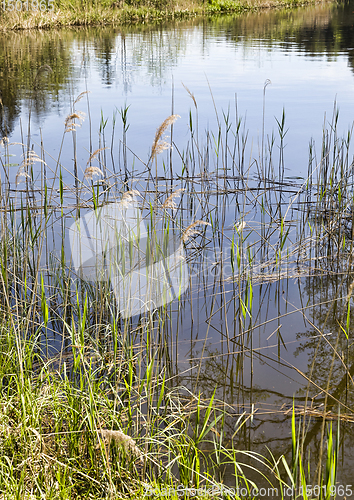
21, 175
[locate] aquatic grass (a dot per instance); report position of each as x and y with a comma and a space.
302, 479
96, 404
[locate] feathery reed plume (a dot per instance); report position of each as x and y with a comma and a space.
128, 197
31, 157
70, 124
4, 140
169, 203
21, 175
91, 171
94, 154
190, 95
121, 439
80, 96
159, 145
190, 230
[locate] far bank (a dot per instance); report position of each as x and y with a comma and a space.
44, 14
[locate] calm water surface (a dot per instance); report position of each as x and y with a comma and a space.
307, 56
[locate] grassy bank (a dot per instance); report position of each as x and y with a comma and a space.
19, 14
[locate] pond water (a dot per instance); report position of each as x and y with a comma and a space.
216, 73
307, 55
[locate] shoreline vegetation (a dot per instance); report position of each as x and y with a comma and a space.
46, 14
94, 405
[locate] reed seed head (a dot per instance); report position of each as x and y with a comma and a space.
70, 124
91, 171
80, 96
21, 175
190, 230
94, 154
128, 197
169, 203
159, 145
121, 439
